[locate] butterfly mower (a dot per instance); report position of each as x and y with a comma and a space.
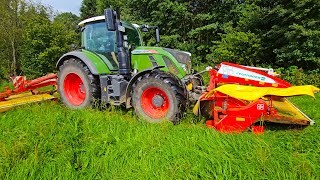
27, 91
114, 67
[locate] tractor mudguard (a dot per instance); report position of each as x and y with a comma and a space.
96, 67
134, 79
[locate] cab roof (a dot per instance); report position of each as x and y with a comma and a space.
100, 18
93, 19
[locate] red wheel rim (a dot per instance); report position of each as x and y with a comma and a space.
74, 89
155, 102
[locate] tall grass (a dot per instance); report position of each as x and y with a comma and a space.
5, 84
49, 141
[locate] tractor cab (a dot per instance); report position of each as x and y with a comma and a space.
103, 42
97, 39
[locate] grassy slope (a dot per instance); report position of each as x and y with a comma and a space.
48, 141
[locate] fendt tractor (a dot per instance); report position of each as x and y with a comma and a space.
114, 67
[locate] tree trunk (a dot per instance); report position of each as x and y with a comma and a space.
14, 58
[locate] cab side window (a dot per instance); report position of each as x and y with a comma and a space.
133, 38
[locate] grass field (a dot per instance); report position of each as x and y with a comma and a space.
49, 141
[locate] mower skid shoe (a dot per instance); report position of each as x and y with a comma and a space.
238, 119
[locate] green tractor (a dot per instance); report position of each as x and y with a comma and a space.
114, 67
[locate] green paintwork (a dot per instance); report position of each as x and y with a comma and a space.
141, 61
98, 62
138, 61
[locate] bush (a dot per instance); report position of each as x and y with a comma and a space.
297, 76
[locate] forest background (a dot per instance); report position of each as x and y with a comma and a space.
281, 34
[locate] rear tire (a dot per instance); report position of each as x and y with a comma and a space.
159, 96
78, 87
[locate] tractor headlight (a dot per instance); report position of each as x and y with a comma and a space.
184, 58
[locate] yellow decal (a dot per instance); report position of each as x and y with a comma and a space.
240, 119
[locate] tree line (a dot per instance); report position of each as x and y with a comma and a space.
33, 37
272, 33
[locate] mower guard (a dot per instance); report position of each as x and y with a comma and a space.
252, 93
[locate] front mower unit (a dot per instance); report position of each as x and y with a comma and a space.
233, 107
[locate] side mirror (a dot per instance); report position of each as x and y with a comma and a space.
110, 19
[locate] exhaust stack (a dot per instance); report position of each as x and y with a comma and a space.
114, 24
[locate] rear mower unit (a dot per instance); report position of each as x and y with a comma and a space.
18, 96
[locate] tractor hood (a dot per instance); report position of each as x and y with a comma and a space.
179, 60
182, 57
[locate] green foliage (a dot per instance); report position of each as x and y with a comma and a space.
297, 76
31, 43
277, 33
302, 47
88, 9
11, 26
48, 141
294, 33
43, 44
68, 19
238, 47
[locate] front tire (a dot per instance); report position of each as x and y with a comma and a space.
78, 87
159, 96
